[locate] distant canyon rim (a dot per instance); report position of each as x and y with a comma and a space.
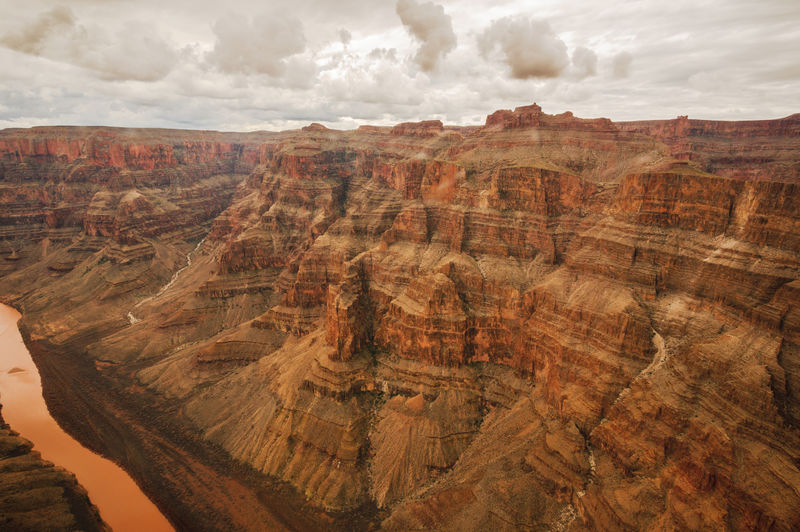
541, 323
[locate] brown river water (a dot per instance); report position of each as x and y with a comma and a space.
122, 504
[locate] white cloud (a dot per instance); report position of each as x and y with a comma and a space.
529, 47
259, 45
86, 64
372, 79
429, 24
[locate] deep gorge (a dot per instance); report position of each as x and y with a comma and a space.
541, 322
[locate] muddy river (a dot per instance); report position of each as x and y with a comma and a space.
122, 504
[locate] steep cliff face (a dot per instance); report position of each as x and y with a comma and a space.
68, 193
541, 322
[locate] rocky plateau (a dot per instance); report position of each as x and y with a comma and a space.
540, 323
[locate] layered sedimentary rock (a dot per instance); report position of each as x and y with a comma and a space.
542, 322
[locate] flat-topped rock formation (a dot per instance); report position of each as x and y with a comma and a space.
541, 322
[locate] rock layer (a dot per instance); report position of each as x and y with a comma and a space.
543, 322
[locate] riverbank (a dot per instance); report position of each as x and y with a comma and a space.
36, 494
122, 504
197, 486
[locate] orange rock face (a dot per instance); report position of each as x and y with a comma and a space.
543, 322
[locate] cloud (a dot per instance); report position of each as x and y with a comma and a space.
707, 62
372, 79
584, 62
32, 38
345, 36
621, 65
260, 45
429, 24
530, 47
377, 54
135, 53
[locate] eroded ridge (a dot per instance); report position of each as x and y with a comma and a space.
544, 321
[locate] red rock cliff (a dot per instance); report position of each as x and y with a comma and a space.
543, 322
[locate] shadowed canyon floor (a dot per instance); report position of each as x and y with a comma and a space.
541, 323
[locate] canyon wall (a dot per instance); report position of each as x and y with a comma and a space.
542, 322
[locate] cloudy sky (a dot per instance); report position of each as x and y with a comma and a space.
244, 64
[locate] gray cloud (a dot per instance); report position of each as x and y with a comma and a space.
345, 36
432, 27
137, 53
530, 47
259, 45
584, 62
32, 38
621, 65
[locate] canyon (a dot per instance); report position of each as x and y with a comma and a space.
542, 322
31, 498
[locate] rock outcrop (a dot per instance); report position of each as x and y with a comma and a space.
542, 322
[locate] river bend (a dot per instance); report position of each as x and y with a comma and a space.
122, 504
